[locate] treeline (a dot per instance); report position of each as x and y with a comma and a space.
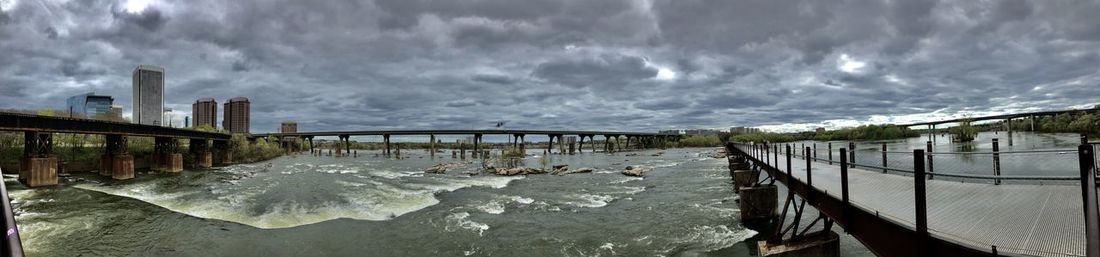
865, 132
1087, 123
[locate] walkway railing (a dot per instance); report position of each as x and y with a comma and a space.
1036, 166
921, 168
12, 244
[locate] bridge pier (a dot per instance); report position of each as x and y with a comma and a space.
203, 158
222, 155
117, 161
38, 167
561, 144
757, 202
165, 158
550, 145
580, 144
431, 144
386, 139
824, 244
522, 145
310, 139
477, 147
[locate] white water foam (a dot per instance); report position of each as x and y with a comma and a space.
710, 238
460, 220
590, 200
376, 201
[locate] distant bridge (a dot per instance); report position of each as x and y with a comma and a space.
641, 139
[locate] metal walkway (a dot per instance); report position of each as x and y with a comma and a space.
1032, 220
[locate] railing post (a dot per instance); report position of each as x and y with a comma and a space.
788, 166
830, 153
1087, 163
803, 148
928, 148
884, 163
767, 154
809, 179
776, 155
996, 162
851, 154
921, 212
846, 212
813, 154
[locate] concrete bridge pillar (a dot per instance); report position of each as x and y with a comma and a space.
522, 145
310, 140
201, 150
461, 149
580, 144
561, 144
431, 144
386, 139
550, 145
117, 161
477, 147
222, 153
165, 158
38, 166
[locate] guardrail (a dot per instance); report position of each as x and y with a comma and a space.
961, 165
13, 246
768, 154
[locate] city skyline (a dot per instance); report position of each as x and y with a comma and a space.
645, 65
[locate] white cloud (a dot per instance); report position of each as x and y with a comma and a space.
849, 65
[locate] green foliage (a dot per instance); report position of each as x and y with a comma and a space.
865, 132
261, 149
964, 132
700, 141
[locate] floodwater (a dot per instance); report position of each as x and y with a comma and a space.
376, 206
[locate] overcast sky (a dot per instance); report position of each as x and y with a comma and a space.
562, 64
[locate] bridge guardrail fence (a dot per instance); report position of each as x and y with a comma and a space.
1039, 166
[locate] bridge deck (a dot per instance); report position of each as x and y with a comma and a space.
1036, 220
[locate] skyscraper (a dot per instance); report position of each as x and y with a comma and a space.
89, 105
236, 118
148, 95
205, 111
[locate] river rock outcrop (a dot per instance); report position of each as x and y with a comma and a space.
443, 167
519, 171
634, 171
578, 170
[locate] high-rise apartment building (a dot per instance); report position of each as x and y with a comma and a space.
205, 111
148, 95
288, 127
236, 115
89, 105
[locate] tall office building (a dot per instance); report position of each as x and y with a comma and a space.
206, 112
288, 127
236, 118
89, 105
148, 95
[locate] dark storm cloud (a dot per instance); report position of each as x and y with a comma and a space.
637, 65
602, 70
